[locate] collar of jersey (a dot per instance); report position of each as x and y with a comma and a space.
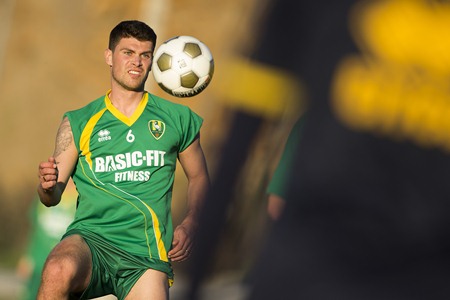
127, 120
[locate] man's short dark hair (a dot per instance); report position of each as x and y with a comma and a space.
131, 29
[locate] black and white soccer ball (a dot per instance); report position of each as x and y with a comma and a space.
183, 66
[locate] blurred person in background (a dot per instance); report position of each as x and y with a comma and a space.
366, 217
47, 227
277, 188
121, 151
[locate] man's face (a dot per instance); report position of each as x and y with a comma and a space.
130, 63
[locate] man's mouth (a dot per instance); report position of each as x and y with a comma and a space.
133, 72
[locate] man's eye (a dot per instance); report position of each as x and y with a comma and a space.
147, 56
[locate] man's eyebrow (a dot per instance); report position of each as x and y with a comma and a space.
126, 49
131, 50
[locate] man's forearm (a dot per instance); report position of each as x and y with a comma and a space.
50, 197
197, 192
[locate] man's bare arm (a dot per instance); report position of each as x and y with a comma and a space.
194, 165
55, 172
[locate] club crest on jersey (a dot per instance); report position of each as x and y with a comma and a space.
156, 128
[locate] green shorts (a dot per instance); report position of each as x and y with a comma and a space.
115, 271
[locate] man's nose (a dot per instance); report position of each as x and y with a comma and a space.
137, 60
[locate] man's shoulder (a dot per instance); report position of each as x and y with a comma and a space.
92, 106
164, 103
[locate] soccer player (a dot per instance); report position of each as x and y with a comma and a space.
121, 151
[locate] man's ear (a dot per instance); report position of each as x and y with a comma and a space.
108, 57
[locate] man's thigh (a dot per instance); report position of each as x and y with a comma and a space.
73, 255
152, 284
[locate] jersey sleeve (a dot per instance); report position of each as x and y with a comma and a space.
190, 126
78, 118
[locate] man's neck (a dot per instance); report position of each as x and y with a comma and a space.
125, 101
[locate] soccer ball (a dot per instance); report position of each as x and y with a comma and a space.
183, 66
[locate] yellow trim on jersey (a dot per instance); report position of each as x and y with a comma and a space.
86, 136
119, 115
158, 236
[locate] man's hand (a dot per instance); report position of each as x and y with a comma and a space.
182, 243
48, 174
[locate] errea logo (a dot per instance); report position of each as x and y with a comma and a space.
103, 135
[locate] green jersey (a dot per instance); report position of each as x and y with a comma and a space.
125, 171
